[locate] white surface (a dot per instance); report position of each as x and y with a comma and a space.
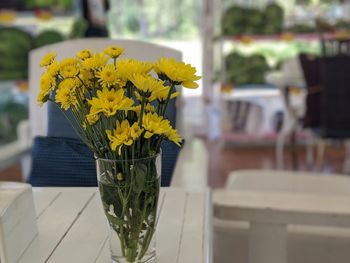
263, 236
17, 220
313, 208
191, 170
133, 49
72, 227
283, 208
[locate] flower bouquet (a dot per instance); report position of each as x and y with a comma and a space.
118, 108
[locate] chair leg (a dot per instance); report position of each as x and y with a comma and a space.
321, 147
346, 164
309, 152
280, 150
294, 150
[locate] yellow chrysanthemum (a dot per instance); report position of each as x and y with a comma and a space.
109, 102
84, 54
157, 125
179, 72
154, 124
108, 76
47, 83
42, 98
92, 118
147, 108
95, 62
135, 131
66, 93
53, 69
48, 59
146, 84
162, 94
69, 71
123, 134
69, 62
86, 76
173, 136
129, 67
113, 51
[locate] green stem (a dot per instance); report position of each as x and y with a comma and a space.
172, 86
142, 110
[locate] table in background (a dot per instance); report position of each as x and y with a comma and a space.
270, 213
72, 227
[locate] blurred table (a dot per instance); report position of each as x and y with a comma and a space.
72, 227
268, 99
270, 213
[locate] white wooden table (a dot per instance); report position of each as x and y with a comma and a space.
72, 227
269, 214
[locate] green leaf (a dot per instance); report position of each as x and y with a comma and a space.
140, 172
114, 220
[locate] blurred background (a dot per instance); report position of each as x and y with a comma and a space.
262, 102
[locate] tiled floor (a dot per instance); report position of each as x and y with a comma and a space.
12, 173
223, 161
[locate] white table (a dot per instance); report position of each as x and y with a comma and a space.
72, 227
269, 214
269, 99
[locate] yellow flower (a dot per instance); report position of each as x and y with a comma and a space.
123, 134
109, 102
162, 94
53, 69
66, 93
48, 59
113, 51
42, 98
69, 62
108, 76
128, 67
148, 108
154, 124
69, 71
84, 54
146, 84
92, 118
95, 62
86, 76
47, 83
157, 125
135, 131
179, 72
173, 136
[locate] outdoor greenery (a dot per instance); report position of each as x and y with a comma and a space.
11, 113
171, 19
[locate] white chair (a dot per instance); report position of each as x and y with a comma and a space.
306, 244
290, 75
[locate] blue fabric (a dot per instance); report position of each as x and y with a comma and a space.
62, 162
69, 162
170, 151
62, 159
58, 125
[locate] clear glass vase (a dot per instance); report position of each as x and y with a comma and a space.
129, 192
